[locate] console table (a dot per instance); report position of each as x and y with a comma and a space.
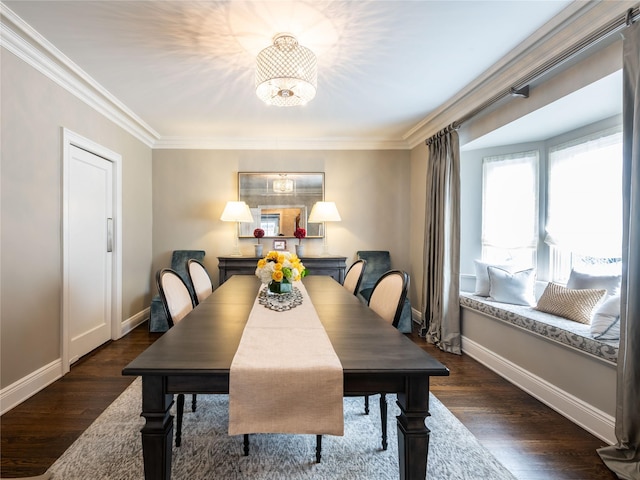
316, 265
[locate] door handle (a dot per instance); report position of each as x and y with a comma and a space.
109, 234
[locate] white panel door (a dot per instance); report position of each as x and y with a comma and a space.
90, 238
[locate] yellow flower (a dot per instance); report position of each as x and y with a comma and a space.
279, 266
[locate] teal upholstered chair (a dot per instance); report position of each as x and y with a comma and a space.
378, 263
158, 321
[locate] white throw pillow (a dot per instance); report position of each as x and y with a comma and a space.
516, 288
582, 280
482, 276
605, 324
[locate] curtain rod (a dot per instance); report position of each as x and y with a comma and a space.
615, 25
444, 131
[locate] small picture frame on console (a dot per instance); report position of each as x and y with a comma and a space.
279, 244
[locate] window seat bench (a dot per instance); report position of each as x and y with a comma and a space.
559, 329
554, 359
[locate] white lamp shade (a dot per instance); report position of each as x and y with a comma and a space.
324, 212
236, 212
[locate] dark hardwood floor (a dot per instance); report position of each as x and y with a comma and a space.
530, 439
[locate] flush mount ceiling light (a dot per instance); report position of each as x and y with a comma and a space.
283, 185
286, 73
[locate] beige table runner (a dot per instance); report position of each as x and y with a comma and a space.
285, 376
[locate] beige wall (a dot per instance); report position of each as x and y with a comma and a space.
34, 111
370, 188
419, 162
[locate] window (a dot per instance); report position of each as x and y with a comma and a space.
270, 223
584, 204
575, 207
510, 208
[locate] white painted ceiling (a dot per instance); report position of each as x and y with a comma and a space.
186, 68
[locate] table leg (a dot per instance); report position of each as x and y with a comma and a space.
157, 433
413, 434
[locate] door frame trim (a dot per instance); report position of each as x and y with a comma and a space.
70, 138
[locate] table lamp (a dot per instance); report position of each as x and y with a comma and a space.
324, 212
236, 212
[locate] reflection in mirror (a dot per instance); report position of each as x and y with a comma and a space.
280, 202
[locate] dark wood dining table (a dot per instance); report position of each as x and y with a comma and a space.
195, 357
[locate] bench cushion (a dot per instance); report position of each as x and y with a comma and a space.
562, 330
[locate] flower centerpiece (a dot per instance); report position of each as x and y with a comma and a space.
300, 233
279, 269
258, 233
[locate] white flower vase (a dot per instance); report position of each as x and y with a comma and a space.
300, 251
258, 248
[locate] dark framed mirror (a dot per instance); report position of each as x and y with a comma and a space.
280, 202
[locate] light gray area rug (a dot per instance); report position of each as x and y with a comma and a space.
111, 447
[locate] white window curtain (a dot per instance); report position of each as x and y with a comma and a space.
584, 196
510, 207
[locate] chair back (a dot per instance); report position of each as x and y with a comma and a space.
200, 279
175, 295
179, 265
378, 262
389, 293
354, 276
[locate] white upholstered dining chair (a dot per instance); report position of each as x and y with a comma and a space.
177, 303
387, 300
354, 276
200, 279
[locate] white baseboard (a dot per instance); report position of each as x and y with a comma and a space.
416, 316
592, 419
132, 322
26, 387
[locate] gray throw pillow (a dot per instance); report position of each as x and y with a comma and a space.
482, 276
516, 288
583, 280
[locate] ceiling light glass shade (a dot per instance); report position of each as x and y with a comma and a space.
286, 73
283, 185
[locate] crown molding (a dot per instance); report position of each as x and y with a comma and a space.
568, 28
573, 24
204, 143
24, 42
